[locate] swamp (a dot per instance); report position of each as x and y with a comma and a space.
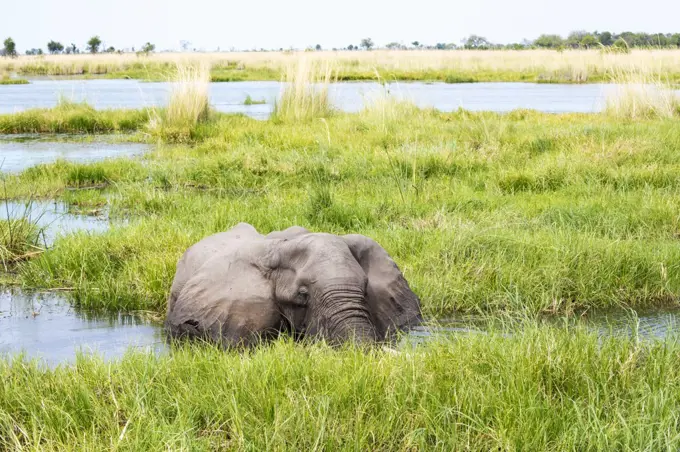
538, 223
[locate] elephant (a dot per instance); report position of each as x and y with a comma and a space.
240, 287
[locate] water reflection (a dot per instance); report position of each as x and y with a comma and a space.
53, 218
47, 327
26, 151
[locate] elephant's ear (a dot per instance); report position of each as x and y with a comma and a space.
228, 300
392, 303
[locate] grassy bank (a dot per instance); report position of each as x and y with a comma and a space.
541, 389
572, 66
483, 212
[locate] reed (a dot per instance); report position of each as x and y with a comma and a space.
642, 94
304, 94
189, 104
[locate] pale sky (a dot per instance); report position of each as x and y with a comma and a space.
244, 24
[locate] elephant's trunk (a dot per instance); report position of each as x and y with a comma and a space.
346, 314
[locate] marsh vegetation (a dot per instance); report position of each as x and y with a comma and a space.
546, 66
512, 216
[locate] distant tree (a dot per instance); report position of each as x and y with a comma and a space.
415, 44
34, 52
574, 38
10, 49
589, 41
674, 40
350, 47
549, 41
55, 47
318, 47
629, 38
74, 48
111, 49
149, 48
440, 46
606, 38
367, 43
476, 42
185, 45
393, 46
621, 44
660, 39
93, 44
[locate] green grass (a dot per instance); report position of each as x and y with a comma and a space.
13, 81
189, 105
75, 118
540, 389
524, 212
18, 241
250, 101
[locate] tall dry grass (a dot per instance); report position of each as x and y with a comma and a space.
189, 103
575, 65
642, 94
304, 93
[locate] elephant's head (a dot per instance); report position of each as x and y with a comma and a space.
239, 285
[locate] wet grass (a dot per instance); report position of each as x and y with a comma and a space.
13, 81
522, 212
540, 389
18, 241
74, 118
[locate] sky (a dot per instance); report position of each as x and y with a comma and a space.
244, 25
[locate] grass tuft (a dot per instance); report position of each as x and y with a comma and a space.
188, 106
18, 241
250, 101
304, 95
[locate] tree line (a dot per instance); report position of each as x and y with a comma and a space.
575, 40
94, 45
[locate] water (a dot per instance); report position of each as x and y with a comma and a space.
652, 324
18, 154
229, 97
46, 327
53, 218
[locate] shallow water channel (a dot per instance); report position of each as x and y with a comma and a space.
46, 327
53, 218
20, 153
230, 97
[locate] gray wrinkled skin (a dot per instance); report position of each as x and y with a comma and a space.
239, 287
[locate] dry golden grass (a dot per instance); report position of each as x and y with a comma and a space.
642, 94
574, 65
